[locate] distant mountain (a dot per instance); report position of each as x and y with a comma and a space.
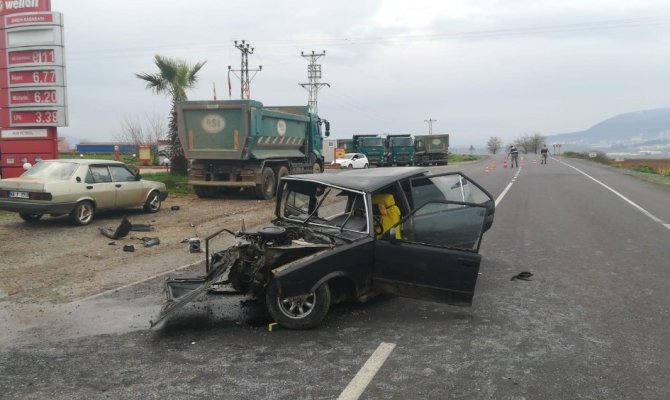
650, 127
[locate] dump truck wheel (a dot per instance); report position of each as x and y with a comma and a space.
266, 190
201, 191
30, 217
316, 168
299, 312
83, 213
282, 172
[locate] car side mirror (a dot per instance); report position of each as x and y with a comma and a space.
78, 179
138, 176
327, 128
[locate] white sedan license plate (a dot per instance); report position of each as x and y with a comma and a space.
19, 195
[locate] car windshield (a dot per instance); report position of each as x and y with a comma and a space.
349, 155
56, 170
329, 207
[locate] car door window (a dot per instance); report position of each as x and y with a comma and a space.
449, 212
100, 174
121, 174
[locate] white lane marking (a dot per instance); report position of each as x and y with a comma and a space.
624, 198
138, 282
357, 386
504, 192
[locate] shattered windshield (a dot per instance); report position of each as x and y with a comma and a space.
320, 205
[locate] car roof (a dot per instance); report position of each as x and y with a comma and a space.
364, 180
86, 161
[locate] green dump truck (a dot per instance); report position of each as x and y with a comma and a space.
243, 144
346, 144
399, 150
372, 146
431, 149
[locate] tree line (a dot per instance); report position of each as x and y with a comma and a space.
526, 143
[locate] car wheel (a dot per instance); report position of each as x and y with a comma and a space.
282, 172
365, 166
30, 217
299, 312
153, 203
350, 166
82, 213
266, 189
316, 168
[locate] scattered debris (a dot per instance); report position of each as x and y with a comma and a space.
273, 327
174, 208
141, 227
112, 243
522, 276
121, 230
151, 241
194, 245
129, 248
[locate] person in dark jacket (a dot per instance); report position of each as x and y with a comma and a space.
544, 152
514, 153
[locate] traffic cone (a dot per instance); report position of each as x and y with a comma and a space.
486, 170
505, 163
534, 162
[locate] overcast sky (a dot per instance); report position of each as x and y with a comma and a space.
480, 68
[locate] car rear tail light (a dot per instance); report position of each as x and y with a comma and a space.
40, 196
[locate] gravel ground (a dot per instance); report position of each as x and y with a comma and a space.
49, 265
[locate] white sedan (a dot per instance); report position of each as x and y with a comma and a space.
352, 160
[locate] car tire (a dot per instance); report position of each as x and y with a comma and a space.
153, 203
300, 312
83, 213
282, 172
365, 166
30, 217
350, 166
266, 189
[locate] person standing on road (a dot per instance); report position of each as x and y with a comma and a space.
514, 153
545, 152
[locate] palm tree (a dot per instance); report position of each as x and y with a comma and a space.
175, 76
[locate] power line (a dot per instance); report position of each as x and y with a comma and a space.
314, 76
246, 49
430, 125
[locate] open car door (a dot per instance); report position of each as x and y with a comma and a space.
432, 253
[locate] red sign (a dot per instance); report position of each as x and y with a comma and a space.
45, 56
46, 76
18, 98
36, 18
23, 6
46, 117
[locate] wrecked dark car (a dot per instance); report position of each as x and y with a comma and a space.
350, 236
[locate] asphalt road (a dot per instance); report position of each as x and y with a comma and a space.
592, 323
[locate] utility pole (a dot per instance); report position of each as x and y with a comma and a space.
246, 49
430, 125
314, 76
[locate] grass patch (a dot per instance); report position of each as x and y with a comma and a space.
175, 183
456, 158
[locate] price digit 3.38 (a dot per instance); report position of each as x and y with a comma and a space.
46, 117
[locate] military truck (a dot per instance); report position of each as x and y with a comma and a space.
242, 144
399, 150
431, 149
372, 146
